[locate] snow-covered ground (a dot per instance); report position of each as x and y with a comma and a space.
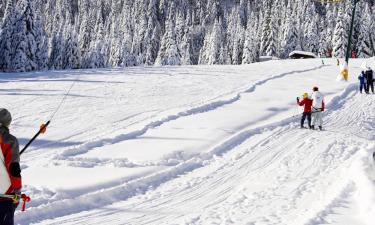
194, 145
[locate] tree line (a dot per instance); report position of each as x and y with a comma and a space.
71, 34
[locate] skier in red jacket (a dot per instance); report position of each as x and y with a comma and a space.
307, 103
11, 171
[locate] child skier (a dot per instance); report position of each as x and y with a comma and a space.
9, 157
362, 82
307, 103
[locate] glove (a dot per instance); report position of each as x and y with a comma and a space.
17, 196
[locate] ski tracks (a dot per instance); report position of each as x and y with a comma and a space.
100, 142
141, 186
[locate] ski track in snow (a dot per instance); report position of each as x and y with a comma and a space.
140, 186
197, 186
84, 148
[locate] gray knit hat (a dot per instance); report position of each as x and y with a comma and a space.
5, 117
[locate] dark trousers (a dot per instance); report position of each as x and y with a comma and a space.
7, 209
361, 87
368, 86
304, 116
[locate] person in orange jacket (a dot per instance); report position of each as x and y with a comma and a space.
307, 103
11, 170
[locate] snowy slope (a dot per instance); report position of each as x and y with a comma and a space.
194, 145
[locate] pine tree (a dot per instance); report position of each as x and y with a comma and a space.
312, 37
269, 34
128, 33
364, 39
152, 37
86, 33
235, 37
251, 46
290, 39
214, 51
56, 51
28, 41
6, 32
169, 53
340, 36
72, 53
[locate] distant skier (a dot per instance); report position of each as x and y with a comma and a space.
317, 108
10, 158
306, 102
369, 80
362, 82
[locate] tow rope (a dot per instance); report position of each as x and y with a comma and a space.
44, 126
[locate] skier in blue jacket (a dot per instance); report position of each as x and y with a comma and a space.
362, 82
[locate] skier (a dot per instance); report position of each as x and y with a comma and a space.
362, 81
306, 102
369, 80
10, 158
317, 108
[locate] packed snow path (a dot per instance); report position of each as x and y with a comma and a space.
191, 156
283, 175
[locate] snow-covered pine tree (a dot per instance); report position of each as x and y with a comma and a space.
56, 51
340, 35
372, 27
266, 31
235, 37
185, 38
115, 36
327, 27
290, 41
126, 58
86, 33
152, 36
312, 36
251, 45
139, 46
269, 34
72, 52
28, 41
6, 32
169, 53
364, 37
130, 32
41, 54
213, 49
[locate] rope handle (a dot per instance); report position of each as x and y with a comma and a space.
25, 200
16, 199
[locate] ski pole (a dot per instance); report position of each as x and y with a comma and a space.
42, 130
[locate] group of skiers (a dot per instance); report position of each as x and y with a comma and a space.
10, 158
313, 109
366, 81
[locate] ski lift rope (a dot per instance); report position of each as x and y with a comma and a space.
43, 127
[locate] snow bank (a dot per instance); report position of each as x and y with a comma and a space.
363, 174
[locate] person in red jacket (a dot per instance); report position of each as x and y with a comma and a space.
307, 103
10, 158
